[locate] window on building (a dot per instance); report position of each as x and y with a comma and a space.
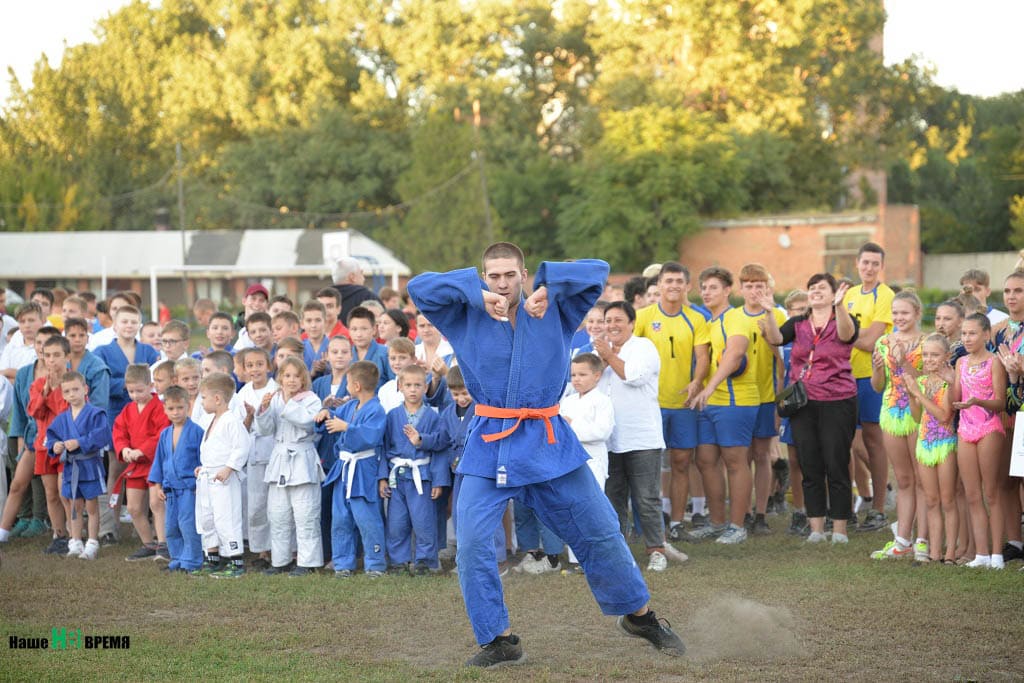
841, 253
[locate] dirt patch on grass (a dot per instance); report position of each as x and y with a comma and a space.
735, 628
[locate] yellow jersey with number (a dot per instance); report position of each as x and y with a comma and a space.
675, 337
740, 389
762, 355
872, 306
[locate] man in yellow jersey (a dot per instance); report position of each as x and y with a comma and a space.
871, 305
728, 407
679, 332
758, 307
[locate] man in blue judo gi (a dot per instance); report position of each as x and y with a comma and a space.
514, 366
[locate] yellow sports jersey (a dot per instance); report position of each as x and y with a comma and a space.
872, 306
763, 356
741, 389
675, 337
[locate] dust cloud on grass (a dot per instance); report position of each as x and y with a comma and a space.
735, 628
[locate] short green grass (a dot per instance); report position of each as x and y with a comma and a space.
772, 609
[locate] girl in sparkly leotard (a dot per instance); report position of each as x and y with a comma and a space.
936, 447
979, 393
893, 353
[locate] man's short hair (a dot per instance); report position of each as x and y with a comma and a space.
343, 268
754, 272
164, 366
634, 287
313, 305
72, 376
128, 309
282, 299
717, 272
177, 327
58, 340
386, 293
220, 383
673, 267
402, 345
361, 312
454, 378
289, 317
292, 344
80, 323
86, 296
366, 373
870, 248
329, 293
176, 394
138, 373
79, 302
975, 276
186, 362
221, 315
151, 323
223, 360
410, 370
204, 305
589, 359
43, 292
504, 250
28, 308
258, 317
794, 296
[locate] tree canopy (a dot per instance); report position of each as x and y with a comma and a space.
605, 129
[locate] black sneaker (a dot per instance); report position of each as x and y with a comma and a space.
798, 524
699, 520
162, 554
260, 563
302, 571
502, 651
421, 569
658, 632
58, 546
760, 527
748, 522
873, 521
1012, 552
108, 539
283, 569
146, 552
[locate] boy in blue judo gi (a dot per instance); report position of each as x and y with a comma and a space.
173, 475
77, 437
359, 426
514, 365
412, 474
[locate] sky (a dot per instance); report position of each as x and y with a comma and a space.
974, 45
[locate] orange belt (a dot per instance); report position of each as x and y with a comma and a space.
521, 414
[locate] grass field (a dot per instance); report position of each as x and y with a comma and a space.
772, 609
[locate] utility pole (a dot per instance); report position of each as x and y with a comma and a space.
181, 225
478, 150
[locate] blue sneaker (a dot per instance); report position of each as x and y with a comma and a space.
19, 527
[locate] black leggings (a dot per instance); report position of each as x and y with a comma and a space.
822, 434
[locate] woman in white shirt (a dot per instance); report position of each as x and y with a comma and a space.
634, 457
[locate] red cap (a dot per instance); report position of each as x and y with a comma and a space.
257, 289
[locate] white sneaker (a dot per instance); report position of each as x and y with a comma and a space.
733, 535
657, 562
542, 566
840, 539
91, 550
982, 562
75, 547
126, 517
524, 564
816, 537
996, 562
674, 554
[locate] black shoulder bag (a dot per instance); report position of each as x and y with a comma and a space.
794, 397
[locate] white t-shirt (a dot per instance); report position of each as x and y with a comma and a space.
104, 336
17, 355
995, 315
635, 398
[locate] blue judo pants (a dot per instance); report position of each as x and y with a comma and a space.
500, 549
572, 506
350, 516
184, 544
408, 512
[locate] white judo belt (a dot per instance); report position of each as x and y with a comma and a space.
414, 465
349, 460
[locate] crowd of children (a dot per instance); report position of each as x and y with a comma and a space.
308, 441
